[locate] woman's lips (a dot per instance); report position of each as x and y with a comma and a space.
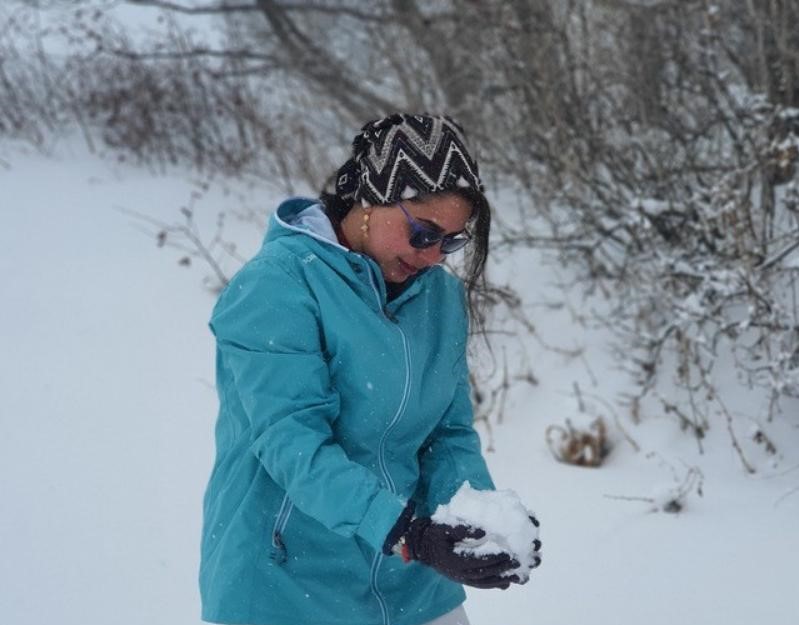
409, 269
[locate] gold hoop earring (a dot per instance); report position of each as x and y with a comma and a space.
365, 224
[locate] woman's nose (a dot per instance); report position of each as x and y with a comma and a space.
431, 255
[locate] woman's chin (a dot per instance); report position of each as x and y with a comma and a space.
405, 270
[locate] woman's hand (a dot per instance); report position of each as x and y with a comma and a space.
434, 545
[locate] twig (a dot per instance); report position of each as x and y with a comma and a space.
766, 264
179, 8
626, 435
590, 371
631, 498
749, 468
580, 404
189, 232
786, 495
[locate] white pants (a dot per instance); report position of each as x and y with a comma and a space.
456, 617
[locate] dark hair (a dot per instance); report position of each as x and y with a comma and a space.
476, 256
337, 208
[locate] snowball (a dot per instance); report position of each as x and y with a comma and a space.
503, 518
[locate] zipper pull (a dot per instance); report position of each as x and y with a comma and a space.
279, 553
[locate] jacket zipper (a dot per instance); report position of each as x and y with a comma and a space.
279, 553
375, 590
400, 410
384, 439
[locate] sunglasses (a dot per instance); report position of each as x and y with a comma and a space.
424, 236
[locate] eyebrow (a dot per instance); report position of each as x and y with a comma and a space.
432, 224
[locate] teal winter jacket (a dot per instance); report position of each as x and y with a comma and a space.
336, 408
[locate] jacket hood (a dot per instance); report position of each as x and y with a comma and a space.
304, 216
301, 227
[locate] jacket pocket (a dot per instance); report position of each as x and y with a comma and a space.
278, 552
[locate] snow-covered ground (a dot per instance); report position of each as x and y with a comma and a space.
107, 414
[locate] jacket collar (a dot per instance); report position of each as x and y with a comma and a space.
306, 217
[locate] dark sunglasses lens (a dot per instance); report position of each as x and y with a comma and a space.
453, 245
422, 239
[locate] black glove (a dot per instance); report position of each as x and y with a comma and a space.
536, 545
434, 545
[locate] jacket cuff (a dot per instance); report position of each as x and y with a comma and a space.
380, 518
399, 529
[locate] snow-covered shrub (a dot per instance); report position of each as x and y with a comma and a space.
161, 99
687, 224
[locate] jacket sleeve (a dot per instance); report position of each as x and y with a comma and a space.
267, 331
452, 455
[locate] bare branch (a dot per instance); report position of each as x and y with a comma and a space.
202, 10
192, 53
320, 67
309, 7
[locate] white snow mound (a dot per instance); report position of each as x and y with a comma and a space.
503, 518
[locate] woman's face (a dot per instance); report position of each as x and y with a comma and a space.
389, 232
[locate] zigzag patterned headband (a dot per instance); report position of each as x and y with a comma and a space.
402, 156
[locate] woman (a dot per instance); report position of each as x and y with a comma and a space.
345, 417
